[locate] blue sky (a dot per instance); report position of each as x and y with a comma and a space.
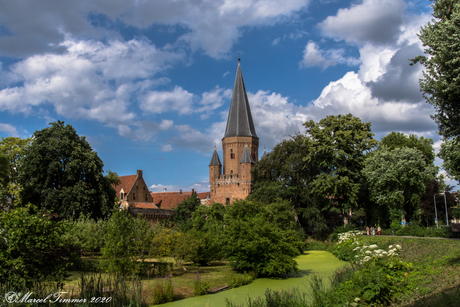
149, 82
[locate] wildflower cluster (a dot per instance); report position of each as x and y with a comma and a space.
350, 235
369, 252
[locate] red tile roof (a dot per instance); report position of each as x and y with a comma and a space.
126, 184
170, 200
143, 205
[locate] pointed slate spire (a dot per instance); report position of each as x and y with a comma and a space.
246, 158
264, 154
215, 158
239, 122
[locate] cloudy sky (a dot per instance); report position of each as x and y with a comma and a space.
149, 83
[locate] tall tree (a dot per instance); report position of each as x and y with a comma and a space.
338, 146
62, 173
14, 150
440, 83
396, 179
450, 153
284, 174
399, 140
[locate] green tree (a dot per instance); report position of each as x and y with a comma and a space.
284, 174
450, 153
262, 238
208, 229
32, 248
396, 179
14, 149
61, 172
183, 212
399, 140
338, 147
86, 233
441, 39
171, 242
126, 239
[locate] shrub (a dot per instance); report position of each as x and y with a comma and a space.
262, 238
240, 280
32, 248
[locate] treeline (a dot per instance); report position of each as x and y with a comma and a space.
338, 166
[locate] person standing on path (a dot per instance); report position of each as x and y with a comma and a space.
379, 229
368, 230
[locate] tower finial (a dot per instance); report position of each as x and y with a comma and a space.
239, 57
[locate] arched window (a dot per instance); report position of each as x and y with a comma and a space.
232, 155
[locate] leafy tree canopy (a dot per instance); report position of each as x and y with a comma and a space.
61, 172
397, 177
126, 240
440, 85
399, 140
183, 212
450, 153
262, 238
14, 150
337, 147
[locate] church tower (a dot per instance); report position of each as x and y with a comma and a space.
240, 149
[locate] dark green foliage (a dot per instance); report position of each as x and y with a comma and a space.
427, 204
61, 172
183, 212
415, 230
4, 178
261, 238
31, 247
338, 145
441, 39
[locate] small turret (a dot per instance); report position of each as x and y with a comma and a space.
215, 168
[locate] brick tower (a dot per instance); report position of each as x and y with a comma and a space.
240, 148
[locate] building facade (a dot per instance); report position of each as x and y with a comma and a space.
240, 146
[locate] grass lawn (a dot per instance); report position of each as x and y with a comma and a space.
435, 278
312, 262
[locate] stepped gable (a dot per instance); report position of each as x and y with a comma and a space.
239, 122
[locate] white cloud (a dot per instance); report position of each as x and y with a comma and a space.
178, 100
313, 56
90, 80
212, 100
213, 26
10, 129
167, 148
376, 21
161, 188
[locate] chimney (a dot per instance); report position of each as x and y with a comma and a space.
139, 173
193, 191
164, 190
180, 191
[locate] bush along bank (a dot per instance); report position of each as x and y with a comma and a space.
376, 276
